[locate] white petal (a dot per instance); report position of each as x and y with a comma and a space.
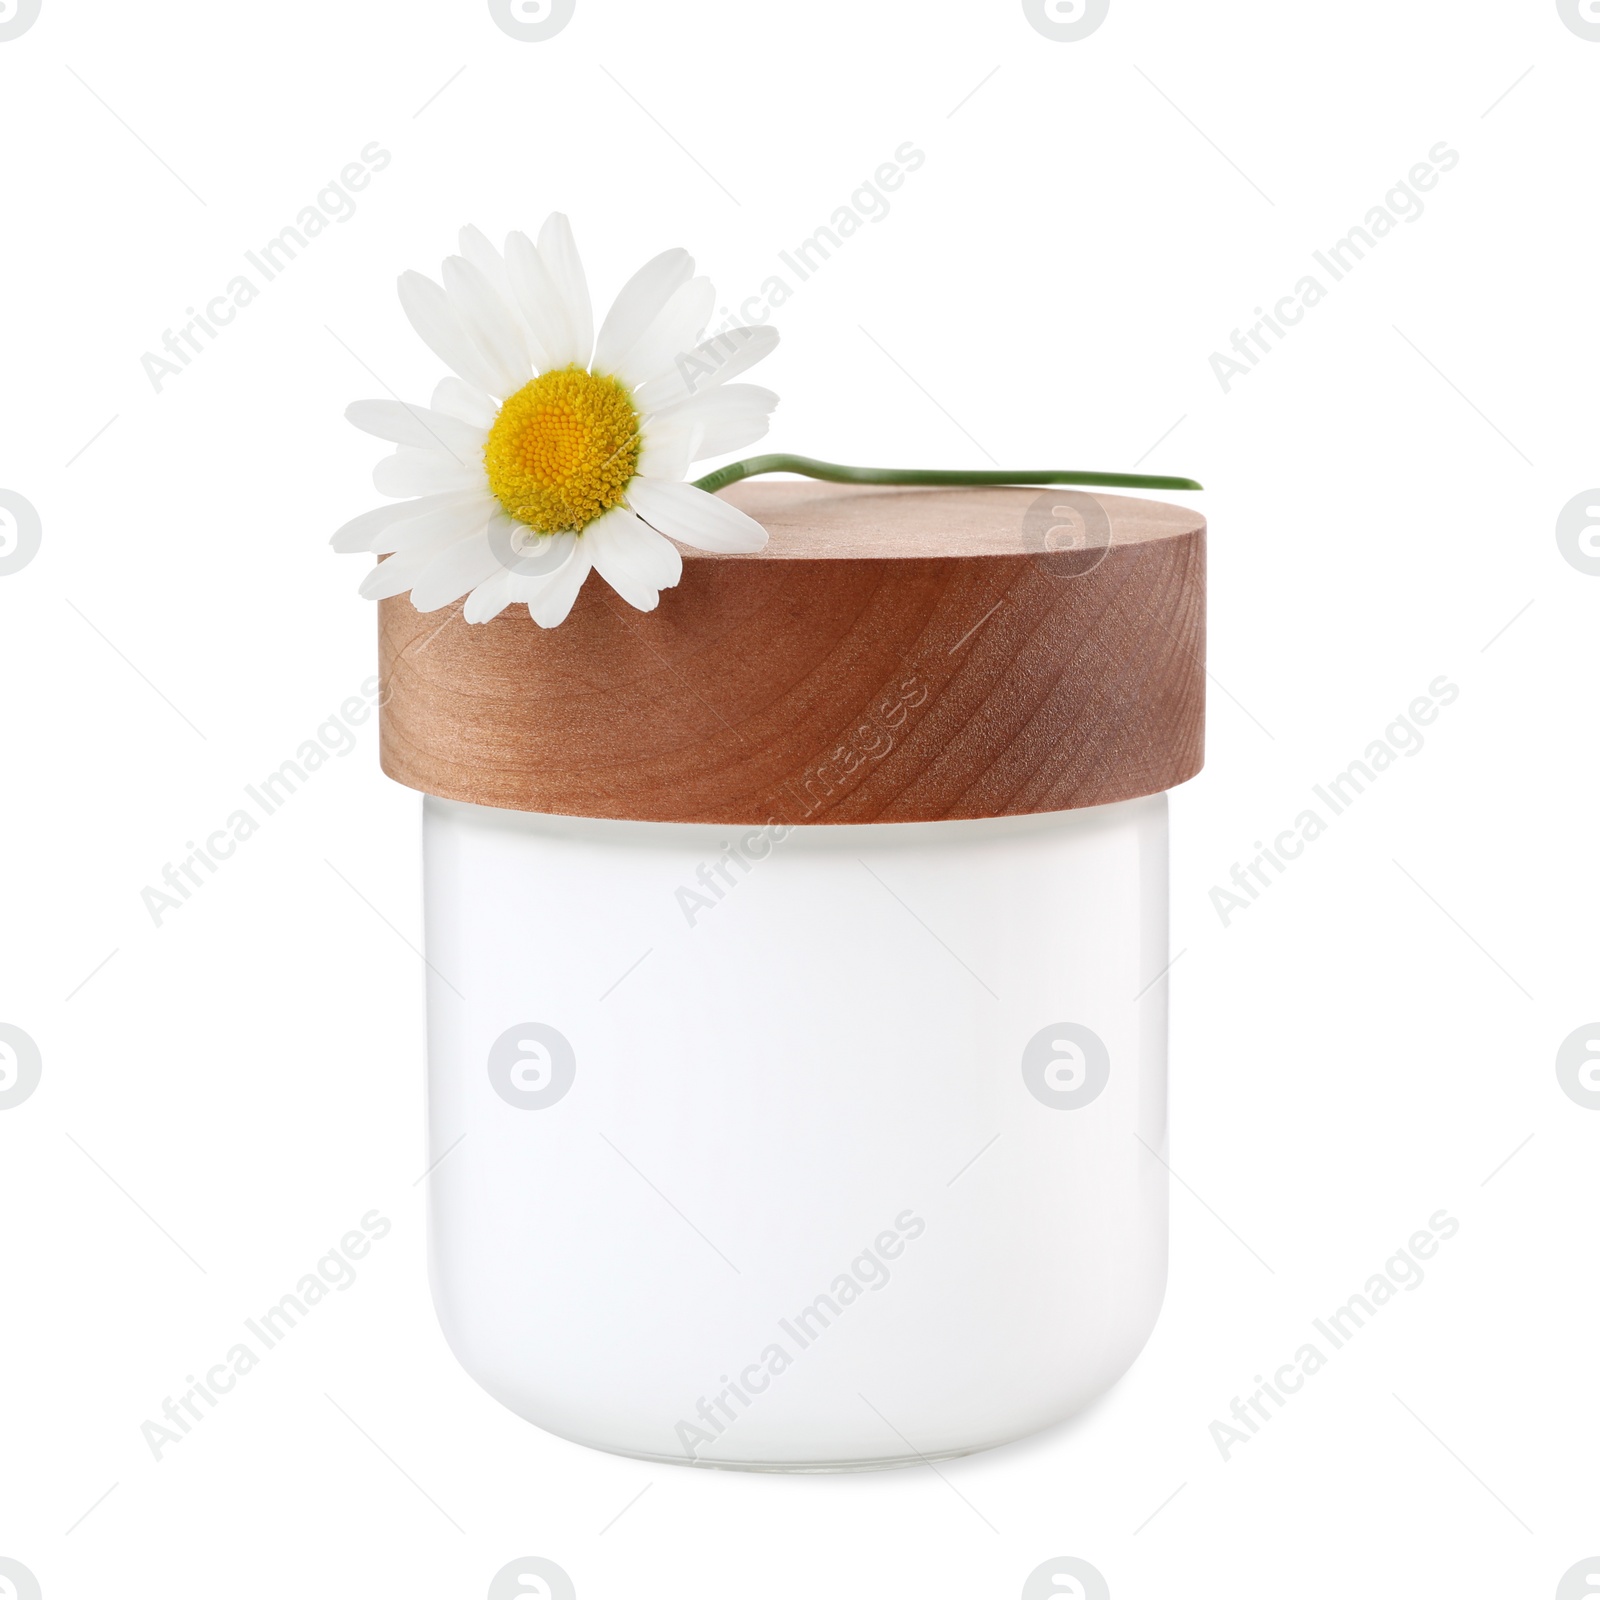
394, 574
489, 599
367, 530
675, 331
466, 404
409, 472
427, 308
419, 427
637, 305
727, 419
723, 356
476, 247
559, 252
635, 560
554, 553
453, 517
553, 602
530, 561
453, 571
493, 324
692, 516
543, 305
667, 446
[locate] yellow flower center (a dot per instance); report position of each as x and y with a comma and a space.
563, 449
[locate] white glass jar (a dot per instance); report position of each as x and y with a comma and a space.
797, 1149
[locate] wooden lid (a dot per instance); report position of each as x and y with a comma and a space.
893, 655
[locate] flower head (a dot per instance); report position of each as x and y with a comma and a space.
553, 451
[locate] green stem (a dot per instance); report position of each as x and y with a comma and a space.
833, 473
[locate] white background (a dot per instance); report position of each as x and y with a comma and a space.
1373, 1040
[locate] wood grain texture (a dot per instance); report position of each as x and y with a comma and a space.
894, 655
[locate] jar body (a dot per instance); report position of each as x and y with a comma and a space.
798, 1149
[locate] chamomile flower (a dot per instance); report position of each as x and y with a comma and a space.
552, 450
